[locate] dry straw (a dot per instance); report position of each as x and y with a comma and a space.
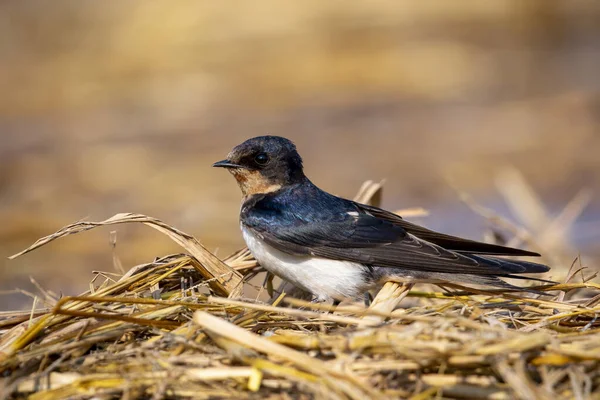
178, 328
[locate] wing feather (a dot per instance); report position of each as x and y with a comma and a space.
358, 233
447, 241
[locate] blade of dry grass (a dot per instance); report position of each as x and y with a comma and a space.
346, 382
150, 334
226, 280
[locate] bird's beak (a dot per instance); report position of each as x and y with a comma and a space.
226, 164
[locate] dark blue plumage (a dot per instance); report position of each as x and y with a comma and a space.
302, 219
295, 227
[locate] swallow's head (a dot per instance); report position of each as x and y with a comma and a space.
264, 164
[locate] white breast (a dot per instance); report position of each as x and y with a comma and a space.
325, 279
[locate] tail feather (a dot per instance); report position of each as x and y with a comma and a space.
528, 278
496, 282
512, 266
465, 280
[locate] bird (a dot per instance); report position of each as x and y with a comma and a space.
338, 249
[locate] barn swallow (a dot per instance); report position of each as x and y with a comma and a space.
336, 248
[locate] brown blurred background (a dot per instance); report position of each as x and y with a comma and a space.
110, 107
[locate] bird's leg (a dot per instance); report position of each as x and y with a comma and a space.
335, 303
368, 299
268, 284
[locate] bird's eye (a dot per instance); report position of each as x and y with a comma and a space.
261, 158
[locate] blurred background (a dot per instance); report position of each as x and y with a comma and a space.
110, 107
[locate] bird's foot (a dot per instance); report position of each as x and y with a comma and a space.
319, 300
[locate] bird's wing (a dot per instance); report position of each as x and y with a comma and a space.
448, 242
355, 233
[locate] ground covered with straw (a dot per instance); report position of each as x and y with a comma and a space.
180, 327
